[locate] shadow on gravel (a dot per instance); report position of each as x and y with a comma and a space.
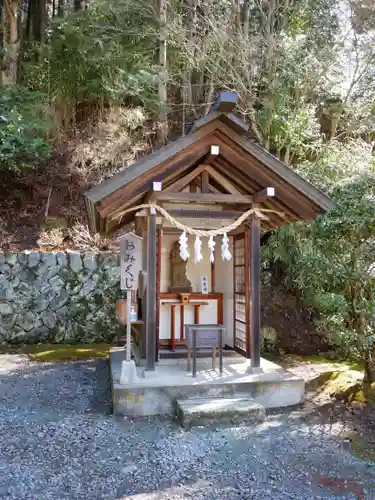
76, 387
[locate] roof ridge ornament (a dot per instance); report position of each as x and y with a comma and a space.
225, 102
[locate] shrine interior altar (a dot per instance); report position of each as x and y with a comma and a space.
202, 302
174, 315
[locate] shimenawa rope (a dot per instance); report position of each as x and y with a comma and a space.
201, 232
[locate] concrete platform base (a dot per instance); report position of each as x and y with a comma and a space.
158, 394
213, 411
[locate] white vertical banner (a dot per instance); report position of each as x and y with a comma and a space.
131, 261
130, 266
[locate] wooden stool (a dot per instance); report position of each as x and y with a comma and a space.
213, 359
200, 336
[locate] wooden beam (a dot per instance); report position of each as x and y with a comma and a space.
241, 179
213, 189
184, 181
151, 293
273, 203
204, 182
255, 292
193, 186
292, 198
213, 154
203, 197
262, 195
139, 186
174, 230
159, 159
285, 193
288, 175
222, 180
204, 214
93, 215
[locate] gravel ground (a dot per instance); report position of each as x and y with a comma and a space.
59, 441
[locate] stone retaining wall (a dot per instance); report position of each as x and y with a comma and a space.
58, 297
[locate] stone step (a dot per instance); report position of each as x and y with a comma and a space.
214, 411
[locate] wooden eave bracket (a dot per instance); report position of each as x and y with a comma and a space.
268, 192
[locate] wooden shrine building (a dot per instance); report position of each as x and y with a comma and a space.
206, 179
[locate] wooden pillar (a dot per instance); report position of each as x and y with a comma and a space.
204, 182
196, 314
182, 321
173, 327
151, 292
213, 277
158, 278
255, 292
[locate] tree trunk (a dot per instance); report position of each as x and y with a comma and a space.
190, 34
369, 376
60, 8
237, 13
42, 18
39, 20
163, 75
2, 31
78, 4
11, 42
334, 124
246, 18
287, 156
30, 9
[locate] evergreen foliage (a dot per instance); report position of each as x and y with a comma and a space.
24, 129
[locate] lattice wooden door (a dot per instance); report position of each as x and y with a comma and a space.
241, 288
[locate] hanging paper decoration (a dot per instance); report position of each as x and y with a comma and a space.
198, 250
211, 246
225, 253
184, 252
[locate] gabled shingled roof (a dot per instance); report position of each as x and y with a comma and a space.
241, 160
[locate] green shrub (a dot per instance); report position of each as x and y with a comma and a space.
23, 130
